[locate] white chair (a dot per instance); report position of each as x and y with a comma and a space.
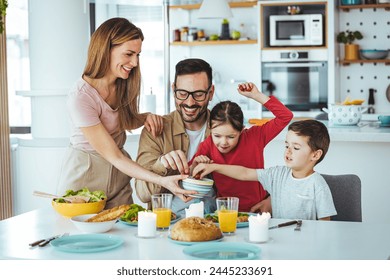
346, 193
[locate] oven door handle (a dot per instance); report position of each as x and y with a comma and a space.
278, 65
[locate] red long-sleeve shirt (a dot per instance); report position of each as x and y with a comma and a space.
248, 153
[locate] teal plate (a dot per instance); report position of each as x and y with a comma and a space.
187, 243
242, 224
223, 251
86, 243
134, 224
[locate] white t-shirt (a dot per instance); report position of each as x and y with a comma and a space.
291, 198
87, 108
196, 137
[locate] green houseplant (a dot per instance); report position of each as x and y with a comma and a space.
351, 51
3, 8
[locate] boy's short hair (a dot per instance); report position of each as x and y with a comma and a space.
316, 132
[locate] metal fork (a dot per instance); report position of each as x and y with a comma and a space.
298, 227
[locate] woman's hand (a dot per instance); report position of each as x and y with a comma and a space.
172, 184
154, 124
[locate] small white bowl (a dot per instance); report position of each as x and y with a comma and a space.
202, 182
91, 227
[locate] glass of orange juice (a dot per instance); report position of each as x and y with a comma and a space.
161, 205
227, 208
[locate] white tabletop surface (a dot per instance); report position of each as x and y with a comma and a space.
318, 240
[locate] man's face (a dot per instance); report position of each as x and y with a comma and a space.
191, 110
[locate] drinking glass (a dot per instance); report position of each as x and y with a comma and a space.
227, 214
161, 205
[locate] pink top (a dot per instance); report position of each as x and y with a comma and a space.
87, 108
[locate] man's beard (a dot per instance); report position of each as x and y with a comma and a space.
193, 119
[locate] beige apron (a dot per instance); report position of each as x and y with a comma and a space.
88, 169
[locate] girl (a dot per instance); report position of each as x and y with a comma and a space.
231, 143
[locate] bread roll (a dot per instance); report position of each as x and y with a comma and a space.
195, 229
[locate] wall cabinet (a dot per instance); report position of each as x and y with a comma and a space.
189, 7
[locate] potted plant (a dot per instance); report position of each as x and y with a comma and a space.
351, 51
3, 8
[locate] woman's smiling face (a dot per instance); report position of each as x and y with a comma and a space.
124, 58
225, 137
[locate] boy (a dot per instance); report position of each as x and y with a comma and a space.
297, 191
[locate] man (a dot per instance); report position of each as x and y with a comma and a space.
184, 130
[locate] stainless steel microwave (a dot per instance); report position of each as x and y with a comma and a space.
296, 30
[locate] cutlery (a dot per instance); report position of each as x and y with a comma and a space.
284, 224
298, 227
44, 242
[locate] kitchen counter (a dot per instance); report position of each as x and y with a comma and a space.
365, 131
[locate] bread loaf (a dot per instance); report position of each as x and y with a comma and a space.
195, 229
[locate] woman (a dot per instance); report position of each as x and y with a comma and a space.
102, 106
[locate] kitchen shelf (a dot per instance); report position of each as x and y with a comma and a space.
346, 8
217, 42
232, 5
348, 62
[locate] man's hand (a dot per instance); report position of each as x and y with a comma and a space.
176, 160
262, 206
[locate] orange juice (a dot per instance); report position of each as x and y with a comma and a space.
163, 217
227, 220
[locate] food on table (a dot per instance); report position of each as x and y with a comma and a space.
131, 214
241, 217
110, 214
195, 229
94, 196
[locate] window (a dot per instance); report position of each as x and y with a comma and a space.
147, 15
18, 65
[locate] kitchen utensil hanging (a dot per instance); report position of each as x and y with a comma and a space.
388, 93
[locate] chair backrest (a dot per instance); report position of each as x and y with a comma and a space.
346, 193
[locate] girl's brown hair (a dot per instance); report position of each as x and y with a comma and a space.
111, 33
227, 112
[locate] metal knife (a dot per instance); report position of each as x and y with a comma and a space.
43, 244
284, 224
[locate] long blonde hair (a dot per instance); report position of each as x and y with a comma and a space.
111, 33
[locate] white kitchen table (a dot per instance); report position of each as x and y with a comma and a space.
317, 240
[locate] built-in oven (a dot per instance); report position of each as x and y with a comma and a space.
299, 79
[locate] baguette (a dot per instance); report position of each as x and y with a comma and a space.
110, 214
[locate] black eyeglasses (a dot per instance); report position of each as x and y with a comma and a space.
198, 95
